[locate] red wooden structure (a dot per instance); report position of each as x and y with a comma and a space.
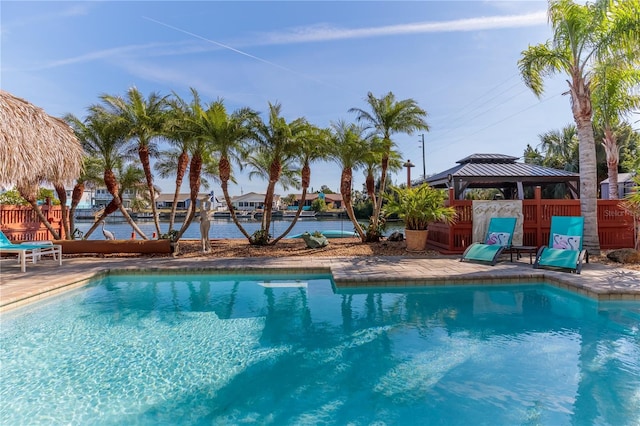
20, 223
615, 225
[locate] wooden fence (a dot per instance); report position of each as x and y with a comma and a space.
615, 224
20, 223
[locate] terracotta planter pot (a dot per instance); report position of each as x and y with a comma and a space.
116, 246
416, 239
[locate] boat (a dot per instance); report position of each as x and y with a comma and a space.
332, 233
244, 215
276, 214
239, 214
142, 216
305, 214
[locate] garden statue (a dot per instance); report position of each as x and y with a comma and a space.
205, 224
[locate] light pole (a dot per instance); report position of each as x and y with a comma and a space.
408, 165
424, 166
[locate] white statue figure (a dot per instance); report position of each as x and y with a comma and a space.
205, 205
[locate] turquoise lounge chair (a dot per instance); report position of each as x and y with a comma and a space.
499, 237
565, 245
34, 251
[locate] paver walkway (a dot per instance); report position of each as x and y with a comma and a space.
45, 278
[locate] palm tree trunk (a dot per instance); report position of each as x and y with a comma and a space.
62, 196
274, 175
306, 180
227, 199
345, 189
383, 181
295, 219
113, 205
582, 113
132, 222
371, 187
31, 199
183, 161
76, 196
224, 172
268, 205
194, 188
610, 145
143, 152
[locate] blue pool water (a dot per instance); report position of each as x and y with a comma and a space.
202, 349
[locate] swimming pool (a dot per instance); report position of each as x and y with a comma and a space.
203, 349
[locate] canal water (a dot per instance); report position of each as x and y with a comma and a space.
225, 228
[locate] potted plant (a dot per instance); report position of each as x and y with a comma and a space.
417, 207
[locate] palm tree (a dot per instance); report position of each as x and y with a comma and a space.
560, 148
386, 117
632, 205
613, 99
227, 133
132, 179
259, 162
630, 149
216, 141
102, 137
198, 150
582, 34
349, 148
173, 162
91, 175
372, 160
176, 161
277, 141
372, 164
312, 146
143, 120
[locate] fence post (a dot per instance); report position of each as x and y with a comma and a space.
538, 211
451, 242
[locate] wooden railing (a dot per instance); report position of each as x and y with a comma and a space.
615, 225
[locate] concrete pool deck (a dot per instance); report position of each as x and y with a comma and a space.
46, 278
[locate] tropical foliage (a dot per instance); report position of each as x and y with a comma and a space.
13, 197
632, 204
615, 95
387, 116
142, 121
419, 206
104, 138
583, 36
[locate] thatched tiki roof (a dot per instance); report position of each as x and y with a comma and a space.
34, 147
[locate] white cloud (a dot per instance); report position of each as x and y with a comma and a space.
318, 33
79, 9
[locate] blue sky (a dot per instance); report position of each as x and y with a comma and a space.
457, 59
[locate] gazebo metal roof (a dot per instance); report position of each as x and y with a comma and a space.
501, 172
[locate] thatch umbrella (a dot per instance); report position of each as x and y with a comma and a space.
35, 148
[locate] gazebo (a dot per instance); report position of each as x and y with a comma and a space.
501, 172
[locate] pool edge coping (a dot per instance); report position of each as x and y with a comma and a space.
341, 275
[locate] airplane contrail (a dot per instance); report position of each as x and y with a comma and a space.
224, 46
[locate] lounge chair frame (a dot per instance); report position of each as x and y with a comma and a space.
489, 253
30, 250
563, 259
